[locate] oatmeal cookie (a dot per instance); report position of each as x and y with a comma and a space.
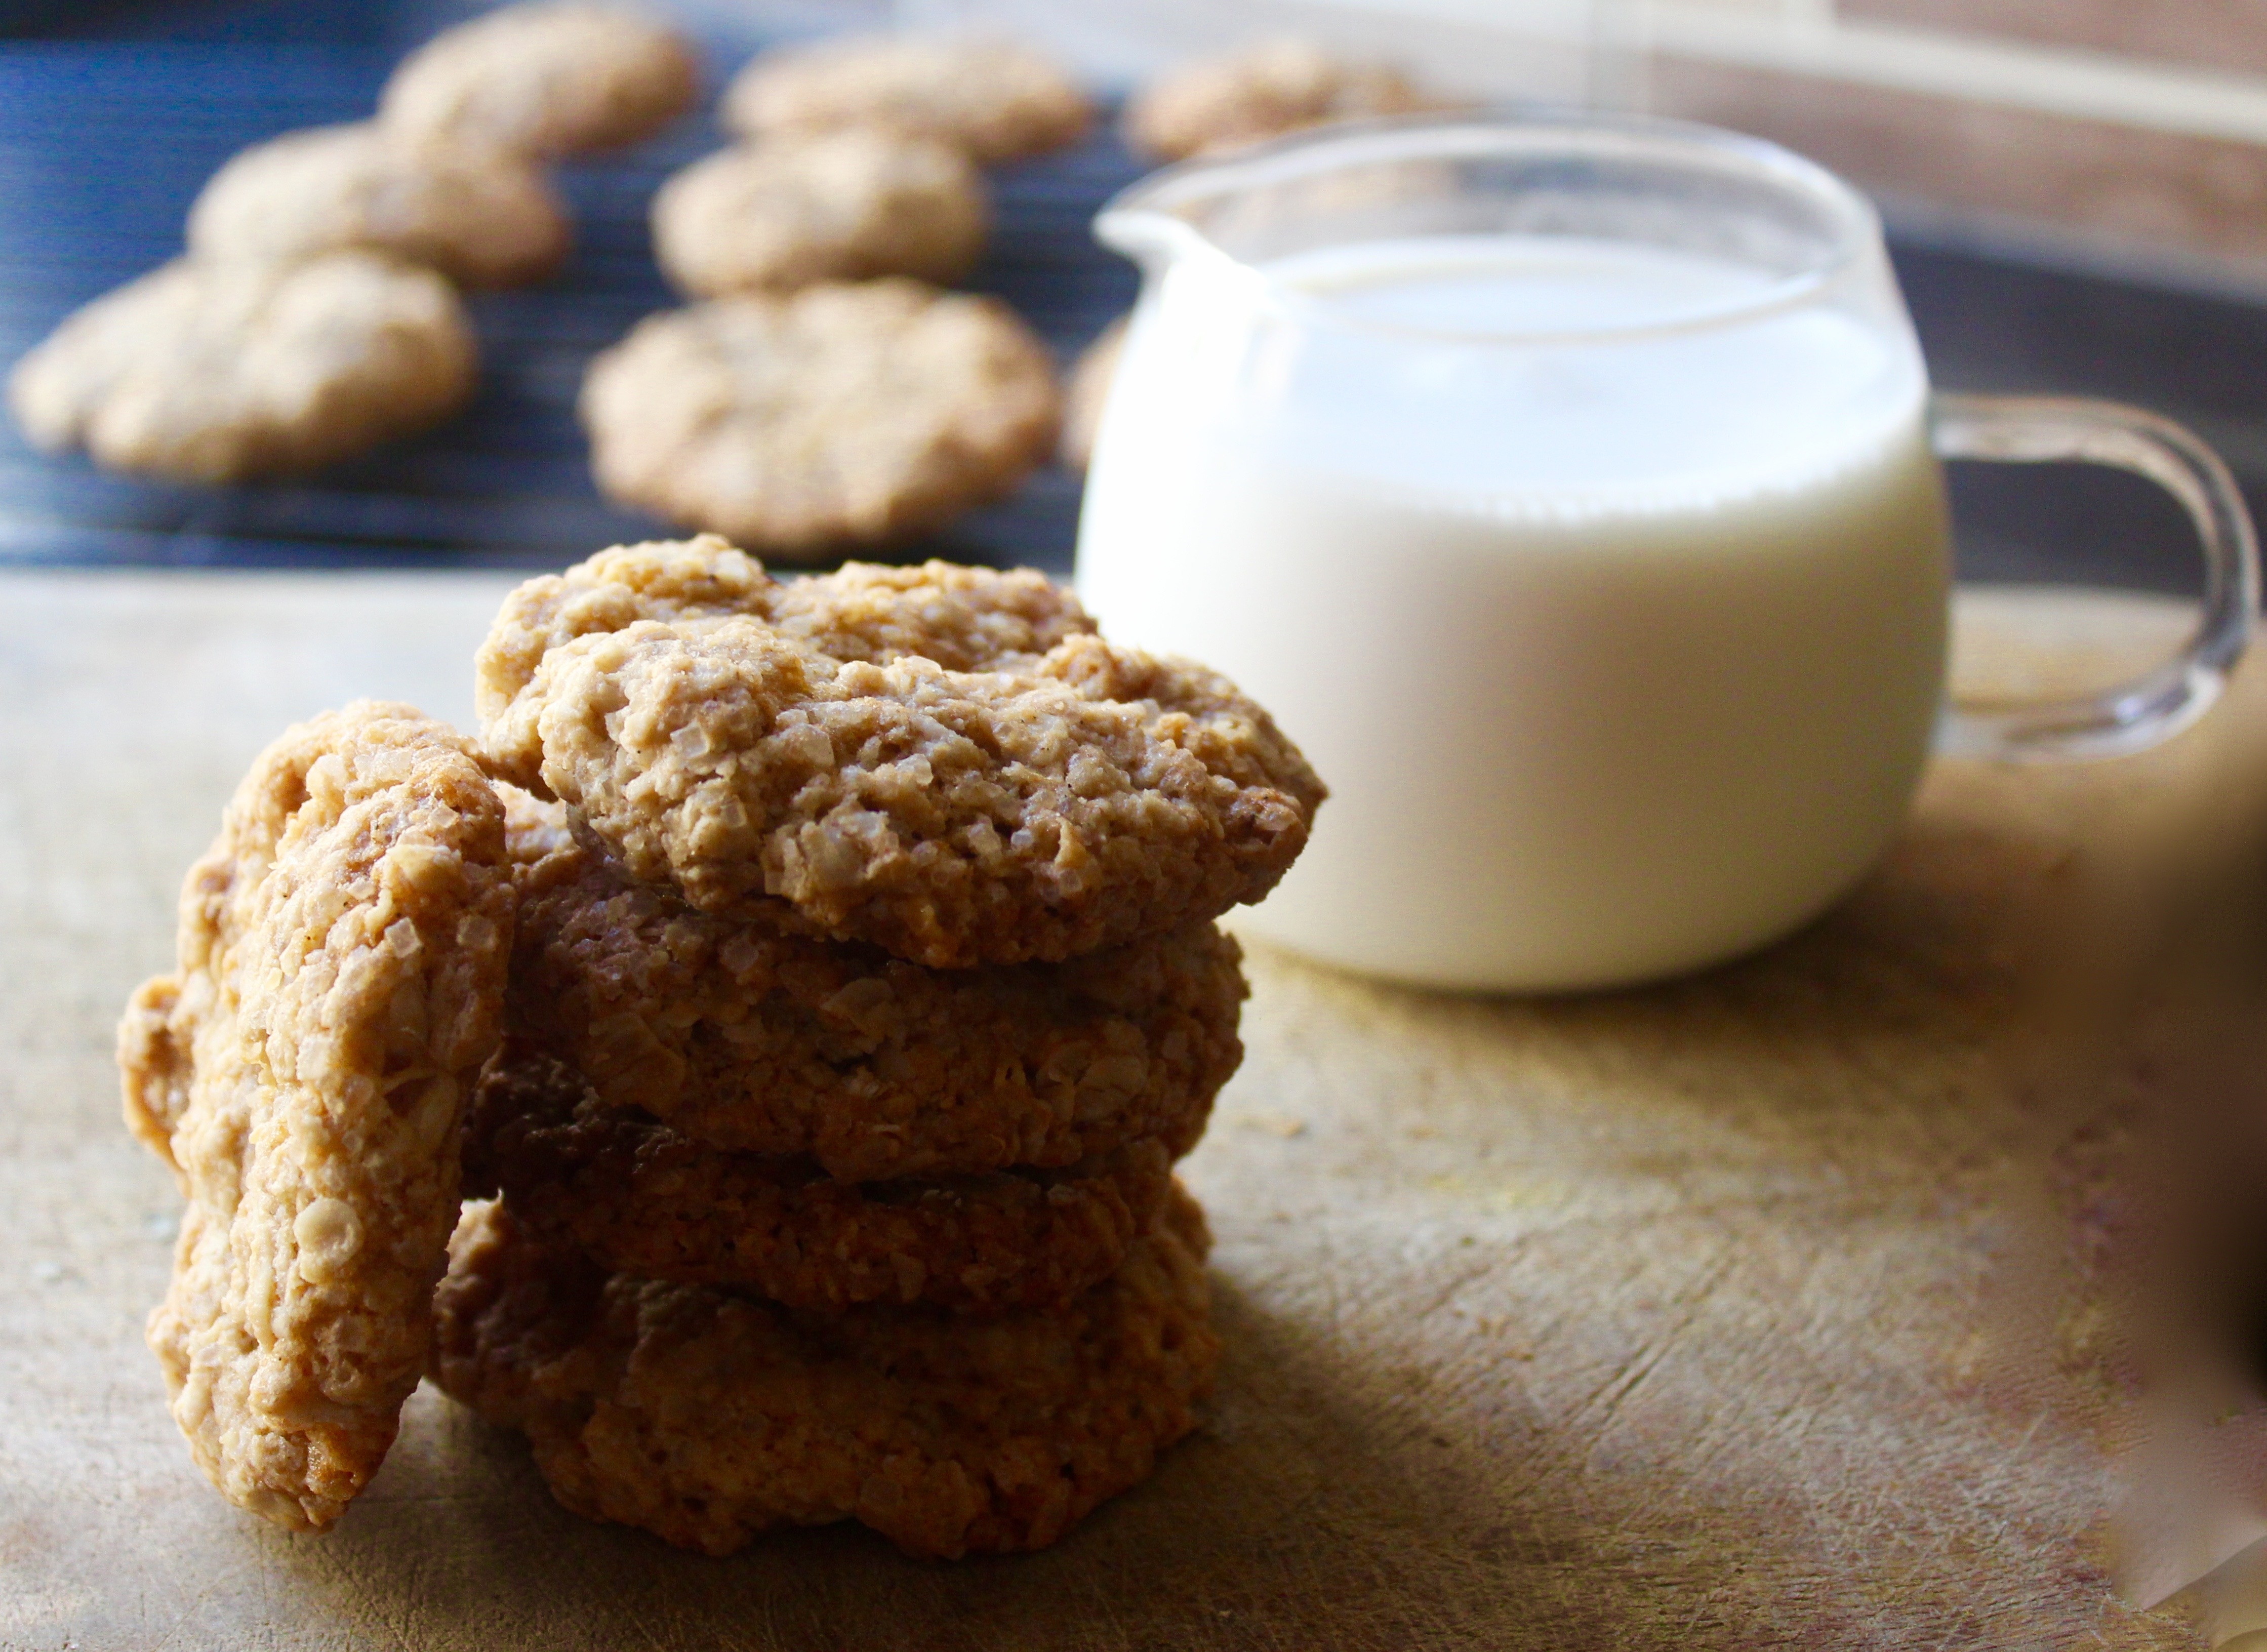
223, 372
745, 1038
845, 413
1088, 389
480, 217
560, 77
1004, 808
644, 1199
304, 1071
962, 618
707, 1416
834, 206
1266, 90
991, 99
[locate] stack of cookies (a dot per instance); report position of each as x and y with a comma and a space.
863, 990
866, 990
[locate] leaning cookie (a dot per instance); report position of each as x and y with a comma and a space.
643, 1199
842, 414
305, 1071
561, 78
1266, 90
707, 1417
991, 99
1012, 806
836, 206
742, 1036
227, 371
482, 216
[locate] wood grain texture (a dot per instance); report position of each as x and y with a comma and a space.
2100, 177
2227, 35
1730, 1313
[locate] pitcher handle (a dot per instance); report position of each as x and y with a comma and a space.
2156, 706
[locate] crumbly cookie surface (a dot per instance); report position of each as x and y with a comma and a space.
226, 371
833, 206
707, 1417
743, 1037
1266, 90
843, 413
1022, 805
962, 618
482, 216
993, 98
1088, 389
644, 1199
559, 78
305, 1070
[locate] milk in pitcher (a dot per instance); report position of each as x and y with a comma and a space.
1609, 576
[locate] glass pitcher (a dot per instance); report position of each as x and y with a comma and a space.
1570, 491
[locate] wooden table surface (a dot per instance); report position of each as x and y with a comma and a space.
1730, 1313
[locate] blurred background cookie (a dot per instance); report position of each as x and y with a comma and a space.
842, 414
1263, 90
482, 216
829, 206
557, 78
994, 98
220, 372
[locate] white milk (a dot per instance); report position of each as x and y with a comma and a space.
1621, 648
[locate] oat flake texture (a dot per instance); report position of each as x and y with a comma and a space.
707, 1417
825, 755
644, 1199
748, 1039
304, 1071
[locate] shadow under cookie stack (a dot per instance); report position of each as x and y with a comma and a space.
831, 967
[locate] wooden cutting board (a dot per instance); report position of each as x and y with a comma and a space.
1731, 1313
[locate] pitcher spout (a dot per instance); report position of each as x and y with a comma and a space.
1150, 237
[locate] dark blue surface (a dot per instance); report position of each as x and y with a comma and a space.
112, 115
103, 145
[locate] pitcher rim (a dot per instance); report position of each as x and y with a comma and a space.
1855, 224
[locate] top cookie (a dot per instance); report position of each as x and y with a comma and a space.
956, 616
835, 206
482, 216
222, 372
556, 78
993, 98
342, 957
960, 774
1264, 90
